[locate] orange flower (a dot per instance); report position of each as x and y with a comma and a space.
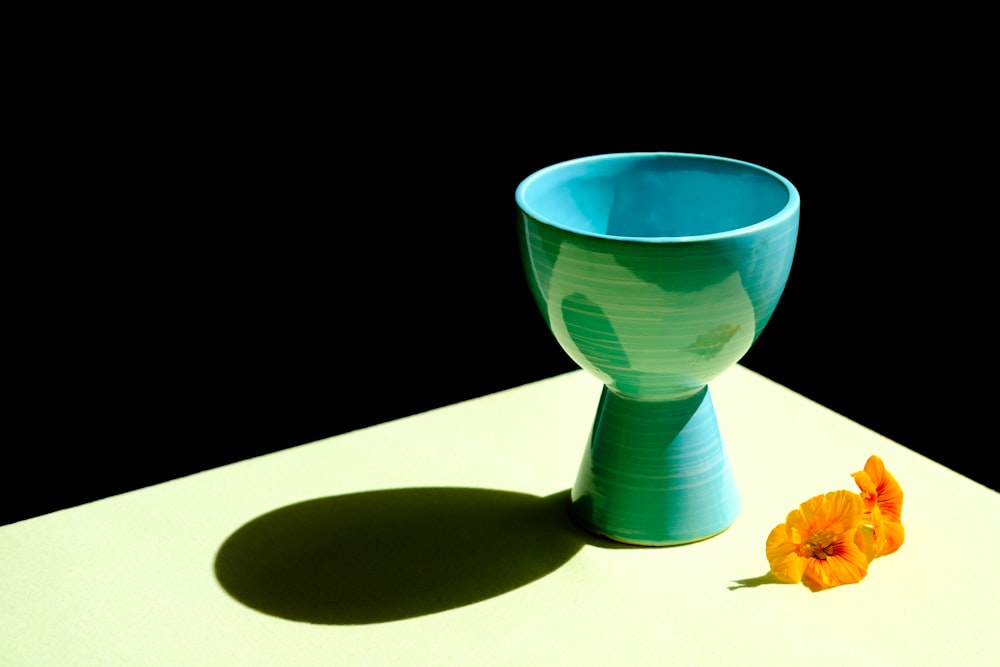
816, 544
883, 501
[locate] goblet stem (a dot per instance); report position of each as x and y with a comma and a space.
655, 472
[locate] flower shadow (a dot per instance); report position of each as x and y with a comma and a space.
386, 555
754, 582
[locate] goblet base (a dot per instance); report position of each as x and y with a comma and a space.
655, 473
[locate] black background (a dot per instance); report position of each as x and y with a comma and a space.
248, 259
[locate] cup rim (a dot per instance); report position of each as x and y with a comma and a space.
788, 210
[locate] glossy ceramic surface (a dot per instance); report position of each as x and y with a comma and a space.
656, 272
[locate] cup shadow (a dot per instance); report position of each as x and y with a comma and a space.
387, 555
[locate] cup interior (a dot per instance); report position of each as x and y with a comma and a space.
654, 195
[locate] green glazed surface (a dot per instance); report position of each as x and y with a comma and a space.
656, 272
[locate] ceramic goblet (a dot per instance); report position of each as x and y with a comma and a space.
656, 272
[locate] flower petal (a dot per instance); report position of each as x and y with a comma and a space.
875, 527
864, 537
889, 494
869, 492
847, 565
892, 533
797, 525
844, 511
783, 555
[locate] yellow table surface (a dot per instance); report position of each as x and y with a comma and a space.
442, 538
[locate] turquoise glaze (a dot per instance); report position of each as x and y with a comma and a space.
656, 272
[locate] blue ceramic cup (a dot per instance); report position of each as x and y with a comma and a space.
656, 272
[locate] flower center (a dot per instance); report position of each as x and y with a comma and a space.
819, 545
